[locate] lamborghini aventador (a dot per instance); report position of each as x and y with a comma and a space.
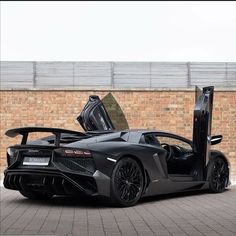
112, 161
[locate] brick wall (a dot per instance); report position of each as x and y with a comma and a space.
163, 110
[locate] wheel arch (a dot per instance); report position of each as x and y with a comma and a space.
144, 171
217, 154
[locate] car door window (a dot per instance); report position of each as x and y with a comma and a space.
173, 142
180, 158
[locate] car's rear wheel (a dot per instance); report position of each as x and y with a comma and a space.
219, 175
126, 183
33, 195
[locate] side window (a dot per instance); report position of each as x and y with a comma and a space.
149, 139
173, 141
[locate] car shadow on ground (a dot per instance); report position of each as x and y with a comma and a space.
165, 197
93, 202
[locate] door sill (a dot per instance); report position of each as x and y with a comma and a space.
181, 177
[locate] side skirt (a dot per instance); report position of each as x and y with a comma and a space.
169, 186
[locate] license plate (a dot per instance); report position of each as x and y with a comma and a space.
36, 161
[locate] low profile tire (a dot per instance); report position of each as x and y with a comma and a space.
126, 183
36, 195
219, 174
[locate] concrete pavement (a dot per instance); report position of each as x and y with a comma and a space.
197, 213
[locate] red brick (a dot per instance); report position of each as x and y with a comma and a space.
162, 110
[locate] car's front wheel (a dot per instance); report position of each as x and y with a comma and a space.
126, 183
219, 175
33, 195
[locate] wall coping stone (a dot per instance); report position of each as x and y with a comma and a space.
116, 89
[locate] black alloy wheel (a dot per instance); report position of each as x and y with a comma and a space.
126, 183
219, 175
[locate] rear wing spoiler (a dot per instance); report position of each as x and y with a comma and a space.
26, 130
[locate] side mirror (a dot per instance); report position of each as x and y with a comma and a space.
216, 139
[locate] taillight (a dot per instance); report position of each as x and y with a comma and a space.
74, 153
11, 155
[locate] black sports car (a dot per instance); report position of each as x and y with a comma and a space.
122, 165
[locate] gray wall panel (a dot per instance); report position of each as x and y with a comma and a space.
30, 75
92, 74
16, 74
